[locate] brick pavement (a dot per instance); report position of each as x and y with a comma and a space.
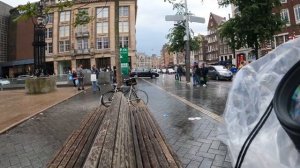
195, 142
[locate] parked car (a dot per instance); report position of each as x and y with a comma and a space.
218, 72
148, 73
171, 71
164, 70
23, 77
156, 70
4, 82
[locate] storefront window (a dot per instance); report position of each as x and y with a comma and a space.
295, 105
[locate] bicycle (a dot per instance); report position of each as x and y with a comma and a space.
133, 95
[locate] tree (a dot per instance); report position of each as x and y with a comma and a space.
255, 23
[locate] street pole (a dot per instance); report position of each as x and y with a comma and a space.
187, 56
117, 47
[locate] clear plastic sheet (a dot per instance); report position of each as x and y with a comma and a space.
252, 91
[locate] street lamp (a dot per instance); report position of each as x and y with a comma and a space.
39, 44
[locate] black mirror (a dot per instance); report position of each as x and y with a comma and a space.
287, 104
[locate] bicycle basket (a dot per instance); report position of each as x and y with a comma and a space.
130, 82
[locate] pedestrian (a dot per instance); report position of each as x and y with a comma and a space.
242, 65
176, 73
194, 74
74, 78
198, 75
204, 71
80, 76
94, 78
179, 72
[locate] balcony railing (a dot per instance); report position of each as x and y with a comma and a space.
82, 34
82, 51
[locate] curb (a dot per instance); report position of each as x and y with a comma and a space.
38, 112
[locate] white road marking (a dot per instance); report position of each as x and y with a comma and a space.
200, 109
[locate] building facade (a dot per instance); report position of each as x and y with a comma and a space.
201, 54
93, 43
168, 58
68, 46
213, 39
4, 20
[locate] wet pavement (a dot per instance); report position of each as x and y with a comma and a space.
191, 133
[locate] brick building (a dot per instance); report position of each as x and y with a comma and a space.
93, 43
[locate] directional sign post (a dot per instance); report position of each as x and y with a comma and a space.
187, 19
124, 61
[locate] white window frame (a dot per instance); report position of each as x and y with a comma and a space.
282, 14
297, 13
102, 43
48, 32
65, 16
64, 31
102, 12
102, 27
123, 26
124, 11
123, 41
48, 48
64, 46
83, 43
50, 18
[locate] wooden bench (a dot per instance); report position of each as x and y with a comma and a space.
130, 137
118, 136
74, 151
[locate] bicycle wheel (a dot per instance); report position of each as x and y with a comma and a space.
106, 98
138, 95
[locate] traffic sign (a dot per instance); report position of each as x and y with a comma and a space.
197, 19
174, 18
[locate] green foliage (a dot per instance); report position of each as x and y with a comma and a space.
176, 39
254, 24
82, 17
25, 12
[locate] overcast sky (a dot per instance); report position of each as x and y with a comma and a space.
151, 26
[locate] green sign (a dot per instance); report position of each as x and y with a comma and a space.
124, 61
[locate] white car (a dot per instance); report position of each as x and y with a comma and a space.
164, 70
171, 71
4, 82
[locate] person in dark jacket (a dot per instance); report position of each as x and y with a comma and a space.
204, 72
74, 78
80, 76
179, 72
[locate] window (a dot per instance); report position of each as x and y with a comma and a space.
102, 12
102, 27
124, 41
64, 46
82, 43
49, 48
64, 16
64, 31
124, 11
102, 43
284, 13
123, 26
82, 28
297, 13
50, 18
49, 33
283, 1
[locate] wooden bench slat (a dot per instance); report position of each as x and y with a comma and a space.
82, 150
70, 141
137, 152
167, 150
108, 147
152, 156
155, 140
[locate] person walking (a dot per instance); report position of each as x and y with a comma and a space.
74, 78
176, 73
179, 72
94, 78
194, 74
204, 71
80, 77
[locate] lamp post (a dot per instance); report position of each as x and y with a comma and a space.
39, 43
